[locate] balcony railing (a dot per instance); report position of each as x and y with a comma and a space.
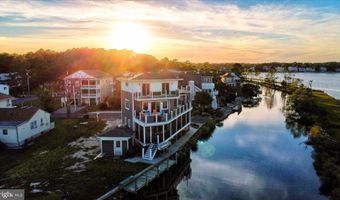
89, 95
89, 86
145, 118
156, 95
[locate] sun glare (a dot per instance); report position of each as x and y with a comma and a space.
130, 36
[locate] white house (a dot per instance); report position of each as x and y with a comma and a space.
4, 89
292, 69
5, 101
18, 126
89, 87
231, 79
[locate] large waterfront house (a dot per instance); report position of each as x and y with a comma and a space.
18, 126
154, 115
195, 82
231, 79
89, 87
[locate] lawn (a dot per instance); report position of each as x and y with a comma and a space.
45, 162
331, 106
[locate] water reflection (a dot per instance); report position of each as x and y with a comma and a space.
252, 156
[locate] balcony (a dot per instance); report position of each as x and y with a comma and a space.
163, 117
157, 95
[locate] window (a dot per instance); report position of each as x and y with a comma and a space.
127, 104
165, 105
129, 123
34, 125
5, 132
165, 88
126, 83
145, 89
41, 122
117, 143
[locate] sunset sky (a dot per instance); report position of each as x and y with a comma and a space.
213, 31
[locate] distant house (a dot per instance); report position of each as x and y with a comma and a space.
310, 69
323, 69
18, 126
231, 79
89, 87
5, 101
292, 69
197, 83
4, 89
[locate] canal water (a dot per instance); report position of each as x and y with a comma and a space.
253, 155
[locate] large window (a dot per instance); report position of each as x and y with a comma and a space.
5, 132
165, 88
41, 122
145, 89
34, 125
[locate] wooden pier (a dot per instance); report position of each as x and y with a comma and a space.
138, 181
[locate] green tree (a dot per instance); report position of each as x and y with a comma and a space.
203, 99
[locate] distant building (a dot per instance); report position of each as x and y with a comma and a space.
18, 126
194, 82
323, 69
89, 87
6, 101
4, 89
292, 69
231, 79
310, 69
154, 112
302, 69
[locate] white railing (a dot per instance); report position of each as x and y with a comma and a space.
89, 86
162, 117
156, 95
89, 95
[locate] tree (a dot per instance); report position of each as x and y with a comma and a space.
203, 99
250, 90
46, 100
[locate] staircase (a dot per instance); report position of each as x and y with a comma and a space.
150, 152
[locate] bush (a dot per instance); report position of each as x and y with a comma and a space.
103, 106
219, 113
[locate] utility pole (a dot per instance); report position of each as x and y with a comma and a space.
28, 71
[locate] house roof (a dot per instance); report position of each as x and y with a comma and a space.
118, 132
89, 74
229, 74
5, 96
15, 116
154, 76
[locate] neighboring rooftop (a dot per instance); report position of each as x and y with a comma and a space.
153, 75
15, 116
118, 132
229, 74
89, 74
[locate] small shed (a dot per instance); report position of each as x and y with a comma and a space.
116, 142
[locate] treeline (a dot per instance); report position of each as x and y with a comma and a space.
46, 65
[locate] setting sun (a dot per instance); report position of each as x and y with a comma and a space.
130, 36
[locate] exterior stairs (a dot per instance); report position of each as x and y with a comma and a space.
150, 152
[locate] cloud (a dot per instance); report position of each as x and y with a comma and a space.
218, 32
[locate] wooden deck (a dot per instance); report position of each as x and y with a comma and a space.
148, 176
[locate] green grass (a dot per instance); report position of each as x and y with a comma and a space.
45, 161
331, 106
